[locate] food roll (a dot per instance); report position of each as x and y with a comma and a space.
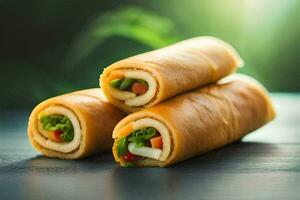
192, 123
73, 125
150, 78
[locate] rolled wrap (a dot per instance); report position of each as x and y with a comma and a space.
171, 70
92, 117
205, 119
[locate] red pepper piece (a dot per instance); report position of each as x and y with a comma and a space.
57, 134
129, 157
139, 88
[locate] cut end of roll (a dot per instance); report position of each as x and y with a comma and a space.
73, 125
140, 141
132, 88
49, 136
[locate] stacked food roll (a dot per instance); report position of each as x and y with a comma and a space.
192, 123
182, 99
147, 79
73, 125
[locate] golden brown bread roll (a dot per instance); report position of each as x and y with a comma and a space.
192, 123
161, 74
73, 125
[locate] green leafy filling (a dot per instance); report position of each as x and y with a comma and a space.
58, 122
139, 137
125, 83
122, 146
116, 83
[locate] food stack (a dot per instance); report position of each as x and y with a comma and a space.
181, 101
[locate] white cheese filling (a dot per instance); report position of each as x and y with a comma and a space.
144, 151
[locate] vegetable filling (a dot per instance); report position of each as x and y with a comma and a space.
59, 128
139, 144
136, 86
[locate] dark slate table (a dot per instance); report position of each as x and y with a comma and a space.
264, 165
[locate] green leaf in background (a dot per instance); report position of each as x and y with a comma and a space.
64, 46
133, 23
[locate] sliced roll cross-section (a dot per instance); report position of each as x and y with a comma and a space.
60, 129
192, 123
147, 79
142, 138
73, 125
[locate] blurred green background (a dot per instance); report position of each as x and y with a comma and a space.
52, 47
